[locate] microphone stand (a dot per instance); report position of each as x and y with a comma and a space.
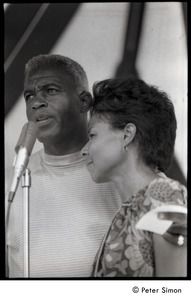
26, 183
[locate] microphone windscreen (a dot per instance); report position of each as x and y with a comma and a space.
27, 137
21, 137
30, 137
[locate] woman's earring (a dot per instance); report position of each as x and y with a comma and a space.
126, 148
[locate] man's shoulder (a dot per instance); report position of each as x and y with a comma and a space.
36, 155
35, 159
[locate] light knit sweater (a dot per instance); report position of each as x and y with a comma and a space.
69, 214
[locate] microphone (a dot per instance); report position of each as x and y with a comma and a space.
23, 149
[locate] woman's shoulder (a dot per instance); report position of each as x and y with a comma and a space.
164, 189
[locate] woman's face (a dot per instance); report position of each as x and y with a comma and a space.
104, 151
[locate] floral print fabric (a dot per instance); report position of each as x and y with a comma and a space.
126, 251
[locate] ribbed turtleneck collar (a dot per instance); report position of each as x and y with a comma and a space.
61, 160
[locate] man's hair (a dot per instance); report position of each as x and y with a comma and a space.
63, 63
131, 100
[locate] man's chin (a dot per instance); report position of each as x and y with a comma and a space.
45, 139
47, 136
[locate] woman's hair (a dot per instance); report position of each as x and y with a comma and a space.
131, 100
59, 62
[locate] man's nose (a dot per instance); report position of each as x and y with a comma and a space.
39, 102
84, 151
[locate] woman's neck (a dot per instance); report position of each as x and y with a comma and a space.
131, 180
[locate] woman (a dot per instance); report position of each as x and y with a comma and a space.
132, 134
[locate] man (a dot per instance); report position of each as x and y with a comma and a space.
69, 214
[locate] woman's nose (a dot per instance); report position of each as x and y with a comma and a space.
84, 151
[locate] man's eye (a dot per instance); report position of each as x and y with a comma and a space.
28, 96
52, 91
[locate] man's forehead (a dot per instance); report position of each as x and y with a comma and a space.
45, 77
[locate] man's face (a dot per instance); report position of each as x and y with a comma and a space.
53, 104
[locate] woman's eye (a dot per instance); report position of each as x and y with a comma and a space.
91, 135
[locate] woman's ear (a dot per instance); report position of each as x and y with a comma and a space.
129, 134
85, 101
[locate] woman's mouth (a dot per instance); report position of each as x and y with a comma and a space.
89, 162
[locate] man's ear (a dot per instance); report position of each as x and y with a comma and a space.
85, 101
129, 134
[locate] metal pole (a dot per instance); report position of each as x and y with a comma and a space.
26, 183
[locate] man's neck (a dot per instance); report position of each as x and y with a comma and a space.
64, 148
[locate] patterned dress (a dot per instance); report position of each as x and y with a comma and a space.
126, 251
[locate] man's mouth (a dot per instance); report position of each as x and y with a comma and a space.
42, 119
